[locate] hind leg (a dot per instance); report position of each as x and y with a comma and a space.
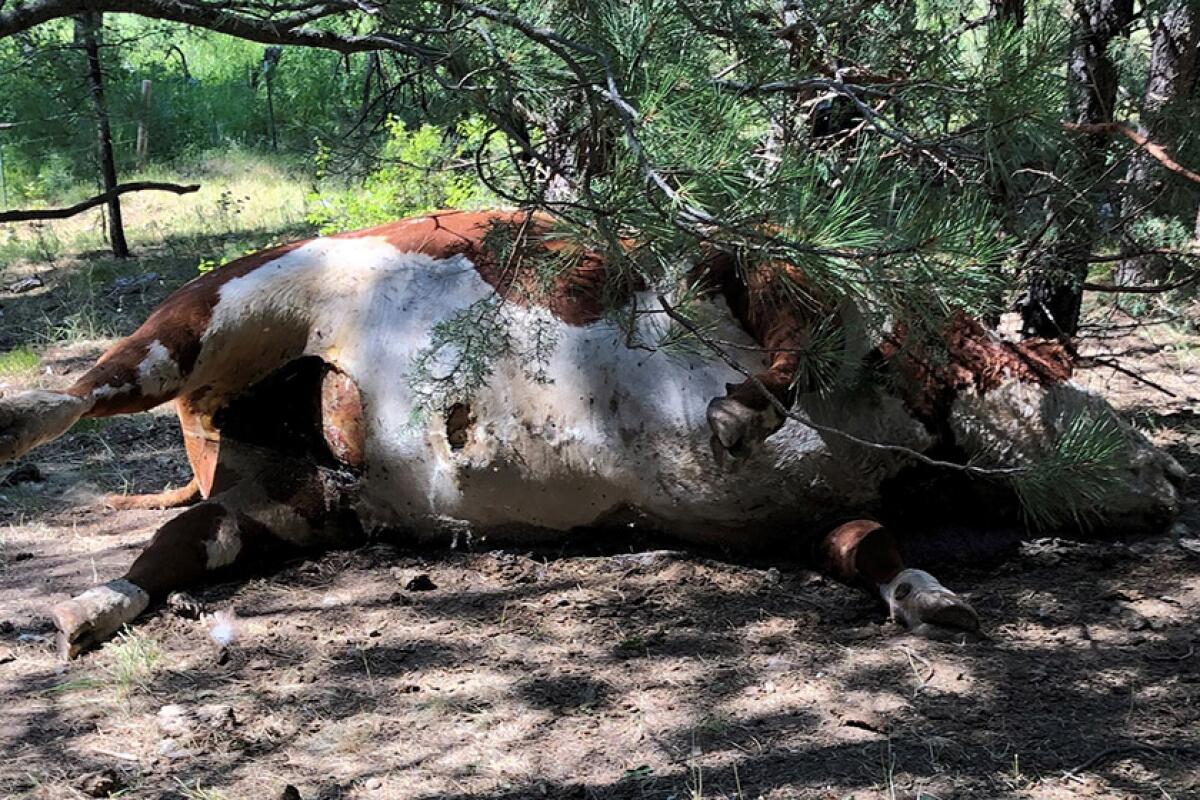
277, 504
32, 418
134, 375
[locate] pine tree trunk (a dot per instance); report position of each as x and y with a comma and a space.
1055, 293
88, 31
1010, 11
1172, 78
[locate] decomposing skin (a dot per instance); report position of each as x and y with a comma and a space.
292, 371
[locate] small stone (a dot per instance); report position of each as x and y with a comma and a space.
100, 784
772, 577
7, 655
373, 783
185, 605
861, 633
26, 285
420, 583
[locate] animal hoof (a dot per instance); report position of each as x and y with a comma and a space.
738, 430
928, 608
87, 620
31, 418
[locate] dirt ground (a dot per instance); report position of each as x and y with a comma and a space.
633, 672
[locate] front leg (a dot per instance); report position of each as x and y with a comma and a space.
181, 553
864, 553
741, 421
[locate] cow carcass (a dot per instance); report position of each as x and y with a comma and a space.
333, 386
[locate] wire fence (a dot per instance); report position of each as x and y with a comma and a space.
7, 140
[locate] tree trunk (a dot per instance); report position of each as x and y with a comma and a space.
1171, 81
1055, 292
87, 28
1010, 11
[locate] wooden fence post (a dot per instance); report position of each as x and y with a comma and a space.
4, 178
143, 131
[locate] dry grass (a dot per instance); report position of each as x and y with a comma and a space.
239, 194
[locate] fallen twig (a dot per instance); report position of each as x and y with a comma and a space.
913, 659
1114, 366
1128, 747
1191, 651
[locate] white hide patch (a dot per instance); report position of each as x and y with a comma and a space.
105, 391
223, 548
158, 372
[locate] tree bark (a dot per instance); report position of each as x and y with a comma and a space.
1055, 292
88, 32
1010, 11
1169, 85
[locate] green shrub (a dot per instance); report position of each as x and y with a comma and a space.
420, 170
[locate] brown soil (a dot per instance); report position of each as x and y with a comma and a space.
631, 673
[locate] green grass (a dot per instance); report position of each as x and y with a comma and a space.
246, 202
18, 362
133, 661
240, 193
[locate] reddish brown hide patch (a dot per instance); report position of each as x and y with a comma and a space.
202, 442
581, 284
860, 552
976, 360
762, 298
177, 555
178, 324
